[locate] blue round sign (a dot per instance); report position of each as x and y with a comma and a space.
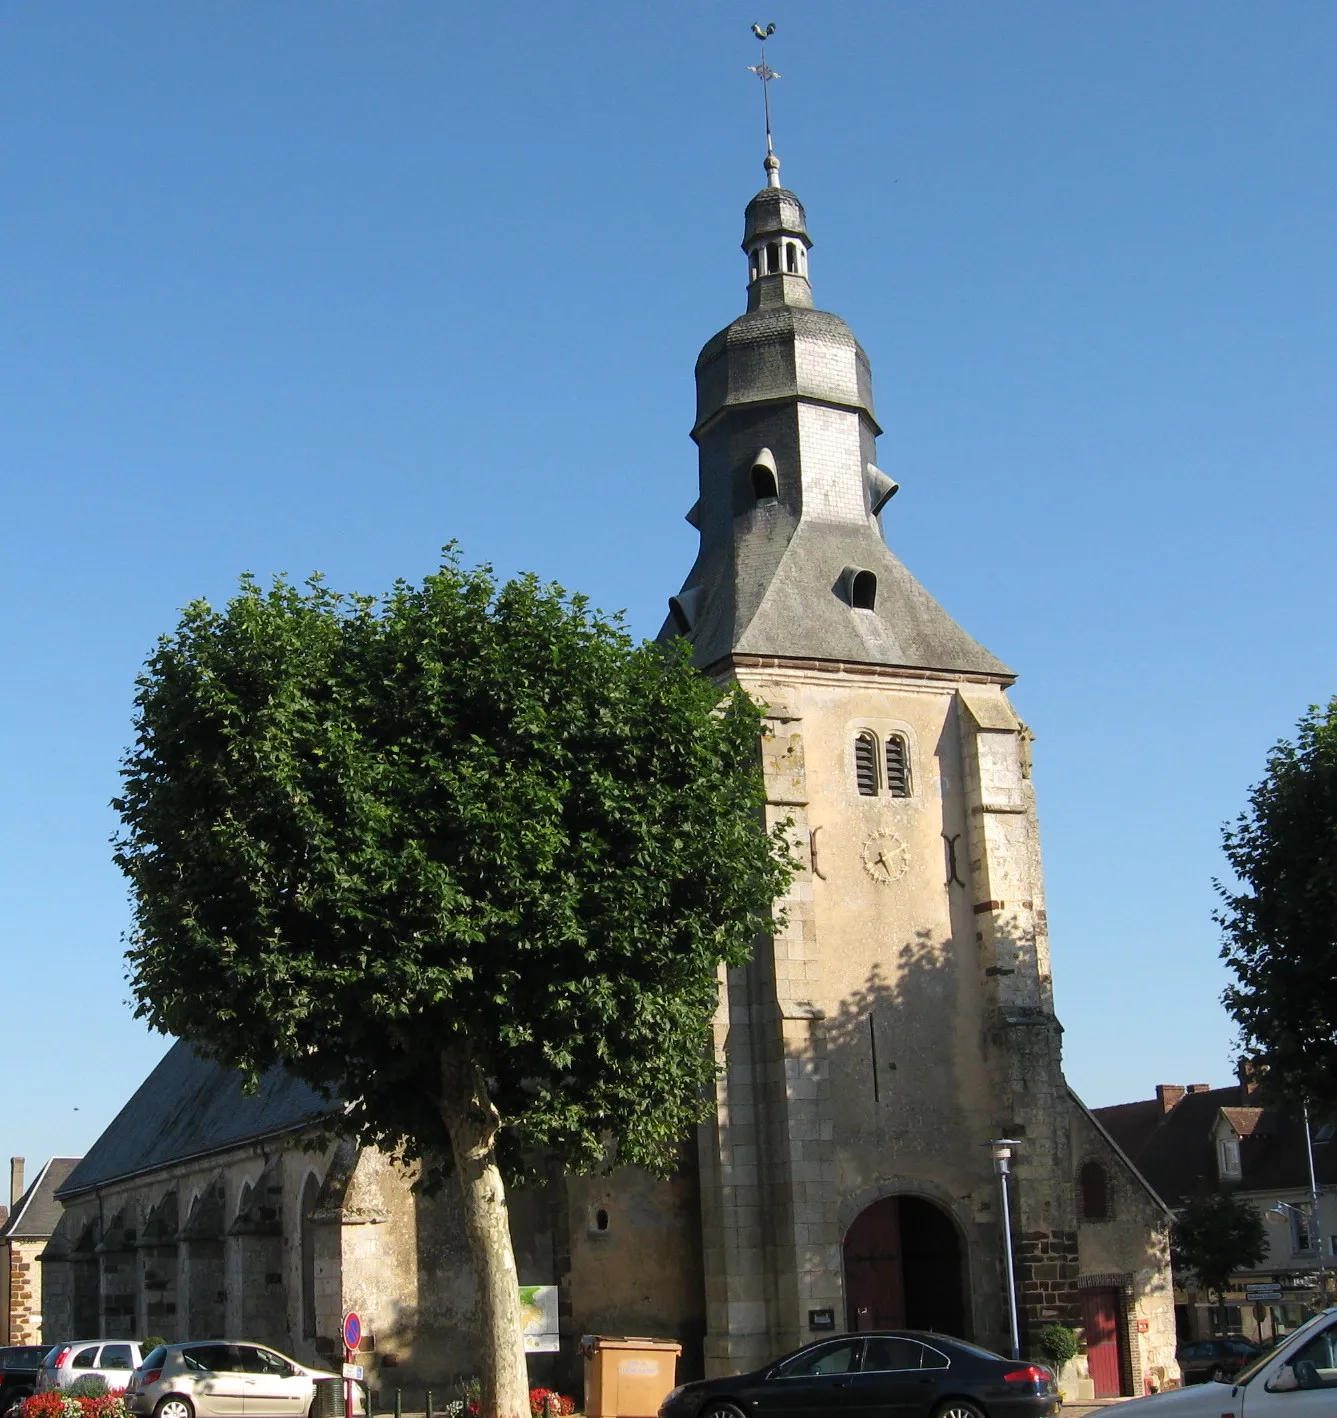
352, 1330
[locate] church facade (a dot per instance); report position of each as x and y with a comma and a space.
898, 1021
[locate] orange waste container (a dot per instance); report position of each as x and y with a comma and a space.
628, 1377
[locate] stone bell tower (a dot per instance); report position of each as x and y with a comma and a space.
902, 1015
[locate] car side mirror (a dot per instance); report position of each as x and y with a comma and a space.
1283, 1381
1306, 1374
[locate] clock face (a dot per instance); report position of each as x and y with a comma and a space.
885, 857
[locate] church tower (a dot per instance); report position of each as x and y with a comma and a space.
901, 1016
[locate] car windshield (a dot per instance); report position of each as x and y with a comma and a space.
1262, 1361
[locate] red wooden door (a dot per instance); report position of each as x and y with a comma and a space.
874, 1278
1100, 1312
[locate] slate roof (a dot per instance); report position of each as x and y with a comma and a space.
770, 579
37, 1210
1176, 1150
189, 1107
792, 608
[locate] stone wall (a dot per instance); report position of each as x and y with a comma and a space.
23, 1290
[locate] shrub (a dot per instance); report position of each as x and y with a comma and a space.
1057, 1343
151, 1343
89, 1386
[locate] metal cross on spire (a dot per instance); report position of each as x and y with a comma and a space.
765, 73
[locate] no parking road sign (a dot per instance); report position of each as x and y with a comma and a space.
352, 1372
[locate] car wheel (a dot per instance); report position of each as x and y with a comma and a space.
958, 1408
174, 1406
721, 1410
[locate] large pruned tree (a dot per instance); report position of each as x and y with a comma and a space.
1280, 925
466, 856
1214, 1237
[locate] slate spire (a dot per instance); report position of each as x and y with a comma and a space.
792, 560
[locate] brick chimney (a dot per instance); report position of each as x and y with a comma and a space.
1200, 1088
15, 1180
1168, 1094
1249, 1075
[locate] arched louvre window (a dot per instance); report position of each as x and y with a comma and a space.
898, 767
1095, 1192
865, 764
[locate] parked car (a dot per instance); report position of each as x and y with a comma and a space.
1203, 1359
1295, 1379
216, 1379
109, 1359
904, 1372
19, 1364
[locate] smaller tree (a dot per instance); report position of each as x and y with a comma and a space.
1279, 926
1216, 1235
1058, 1344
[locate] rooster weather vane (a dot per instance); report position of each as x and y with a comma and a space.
765, 73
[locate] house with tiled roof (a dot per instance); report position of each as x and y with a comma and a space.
32, 1216
1195, 1138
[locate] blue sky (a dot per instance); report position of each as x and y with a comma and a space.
323, 284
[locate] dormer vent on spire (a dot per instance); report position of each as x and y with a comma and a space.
765, 477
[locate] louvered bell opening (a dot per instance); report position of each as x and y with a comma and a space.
865, 765
898, 769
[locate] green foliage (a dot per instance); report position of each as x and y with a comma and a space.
1280, 939
1215, 1236
88, 1386
358, 831
151, 1343
1057, 1343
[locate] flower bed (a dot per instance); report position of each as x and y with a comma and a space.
56, 1403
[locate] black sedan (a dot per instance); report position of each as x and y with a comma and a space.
888, 1374
1203, 1359
19, 1364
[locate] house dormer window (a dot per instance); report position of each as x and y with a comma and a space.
1228, 1159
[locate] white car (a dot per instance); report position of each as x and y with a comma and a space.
1297, 1379
108, 1359
215, 1379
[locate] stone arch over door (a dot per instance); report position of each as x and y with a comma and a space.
905, 1267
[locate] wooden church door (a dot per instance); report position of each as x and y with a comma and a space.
874, 1273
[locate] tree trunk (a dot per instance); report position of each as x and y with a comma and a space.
471, 1119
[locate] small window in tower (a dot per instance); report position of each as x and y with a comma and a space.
772, 257
764, 488
754, 266
1094, 1186
898, 767
791, 256
865, 764
863, 591
601, 1220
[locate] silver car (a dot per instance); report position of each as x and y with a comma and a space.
108, 1359
216, 1379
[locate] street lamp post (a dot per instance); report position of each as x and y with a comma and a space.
1315, 1224
1000, 1149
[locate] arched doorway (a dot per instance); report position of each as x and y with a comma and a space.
903, 1268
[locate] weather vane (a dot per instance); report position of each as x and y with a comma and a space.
765, 73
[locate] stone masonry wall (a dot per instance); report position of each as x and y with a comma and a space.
25, 1291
